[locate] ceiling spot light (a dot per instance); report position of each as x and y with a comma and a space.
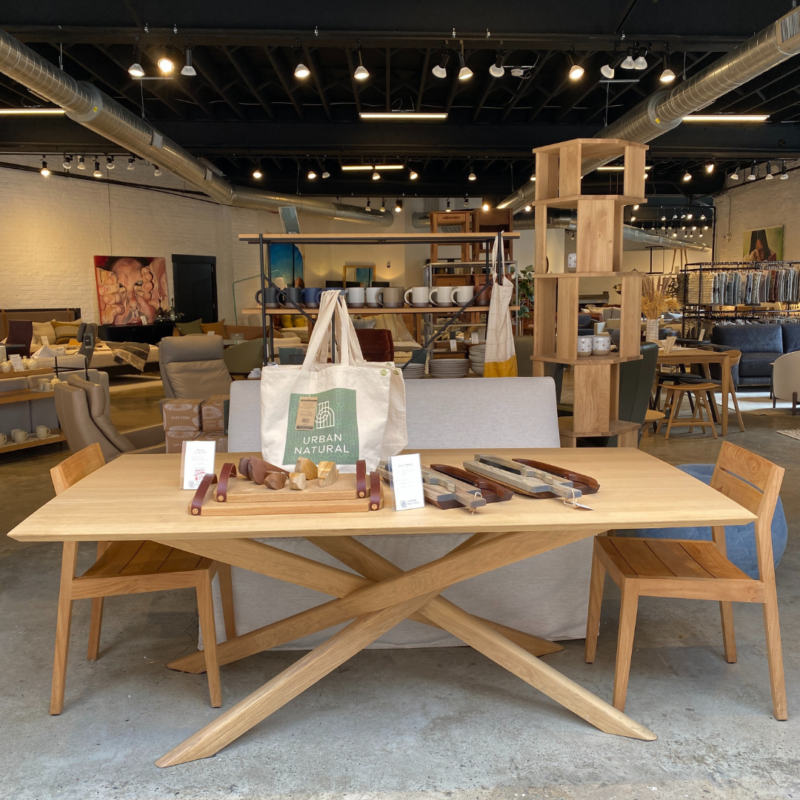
156, 171
607, 71
636, 207
687, 176
361, 72
97, 173
472, 176
110, 162
448, 209
166, 65
533, 178
136, 70
376, 176
325, 175
257, 174
383, 205
640, 62
131, 164
709, 167
67, 163
188, 70
629, 63
45, 172
528, 208
689, 216
440, 71
769, 176
311, 175
575, 70
398, 206
751, 176
81, 163
368, 206
466, 201
735, 175
784, 173
667, 75
485, 206
464, 73
413, 175
496, 70
633, 217
301, 71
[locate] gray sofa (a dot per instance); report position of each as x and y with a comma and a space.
760, 345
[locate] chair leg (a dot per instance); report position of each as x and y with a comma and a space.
96, 623
708, 414
629, 605
63, 623
226, 593
775, 653
205, 609
676, 407
738, 412
794, 404
595, 602
728, 633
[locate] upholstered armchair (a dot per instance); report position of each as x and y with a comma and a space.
192, 367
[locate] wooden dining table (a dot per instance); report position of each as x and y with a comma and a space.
686, 356
636, 491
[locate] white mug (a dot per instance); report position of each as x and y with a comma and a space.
585, 346
601, 344
443, 294
572, 262
464, 294
3, 439
19, 435
355, 296
372, 296
420, 296
42, 431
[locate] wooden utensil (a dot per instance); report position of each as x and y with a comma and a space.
586, 484
529, 486
491, 491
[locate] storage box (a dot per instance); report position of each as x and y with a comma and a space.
181, 415
215, 413
175, 439
219, 438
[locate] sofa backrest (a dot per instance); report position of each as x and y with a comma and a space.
749, 338
791, 337
192, 366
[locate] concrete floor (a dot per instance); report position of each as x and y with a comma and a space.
436, 723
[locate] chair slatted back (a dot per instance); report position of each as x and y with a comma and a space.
752, 482
77, 467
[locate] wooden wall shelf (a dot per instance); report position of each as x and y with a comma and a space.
56, 435
613, 358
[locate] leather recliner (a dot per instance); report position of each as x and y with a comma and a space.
192, 367
83, 408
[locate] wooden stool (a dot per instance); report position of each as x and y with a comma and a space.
651, 417
132, 567
672, 407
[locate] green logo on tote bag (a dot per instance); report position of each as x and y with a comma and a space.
335, 434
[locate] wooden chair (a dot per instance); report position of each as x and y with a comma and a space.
697, 570
131, 567
674, 400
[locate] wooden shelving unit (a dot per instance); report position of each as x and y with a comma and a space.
599, 255
26, 396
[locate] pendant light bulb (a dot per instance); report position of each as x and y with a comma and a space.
361, 72
751, 176
629, 63
81, 163
464, 73
311, 175
376, 176
413, 175
576, 72
640, 62
607, 71
166, 65
156, 171
135, 70
97, 173
368, 206
67, 163
439, 70
301, 71
398, 206
667, 75
131, 164
709, 167
784, 173
485, 206
44, 170
383, 205
466, 201
769, 176
188, 70
528, 208
472, 176
735, 175
496, 70
325, 175
687, 176
257, 174
110, 162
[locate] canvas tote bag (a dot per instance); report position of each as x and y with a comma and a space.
359, 407
501, 358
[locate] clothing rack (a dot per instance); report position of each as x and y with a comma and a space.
701, 301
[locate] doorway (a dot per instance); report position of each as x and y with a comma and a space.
194, 282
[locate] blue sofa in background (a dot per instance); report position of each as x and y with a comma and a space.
760, 345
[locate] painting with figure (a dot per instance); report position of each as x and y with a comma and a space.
130, 289
764, 244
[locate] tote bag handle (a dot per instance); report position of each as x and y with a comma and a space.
333, 309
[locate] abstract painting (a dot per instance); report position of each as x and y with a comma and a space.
130, 289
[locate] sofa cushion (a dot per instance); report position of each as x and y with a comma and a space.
214, 327
750, 338
188, 328
756, 365
44, 329
65, 331
791, 337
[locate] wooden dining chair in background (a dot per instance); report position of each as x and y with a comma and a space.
697, 570
132, 567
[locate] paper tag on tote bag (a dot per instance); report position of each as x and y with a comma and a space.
306, 414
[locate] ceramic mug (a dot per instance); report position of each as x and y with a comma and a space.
311, 297
585, 346
601, 344
391, 296
356, 296
3, 439
464, 294
572, 262
372, 293
293, 294
419, 296
443, 294
270, 297
19, 436
42, 431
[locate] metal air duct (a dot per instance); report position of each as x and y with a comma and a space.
665, 110
88, 106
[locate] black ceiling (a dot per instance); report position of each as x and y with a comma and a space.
245, 107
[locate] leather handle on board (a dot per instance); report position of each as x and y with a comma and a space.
225, 474
196, 506
361, 478
374, 491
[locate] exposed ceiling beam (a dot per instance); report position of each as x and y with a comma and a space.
388, 79
423, 78
319, 81
204, 63
189, 86
278, 63
247, 74
526, 85
559, 87
351, 68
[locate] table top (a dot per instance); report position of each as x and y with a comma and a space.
137, 497
695, 355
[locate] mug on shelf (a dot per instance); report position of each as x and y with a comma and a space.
19, 436
371, 293
293, 294
601, 344
44, 384
585, 346
463, 294
270, 297
355, 296
419, 296
42, 431
3, 439
391, 296
572, 262
443, 295
311, 297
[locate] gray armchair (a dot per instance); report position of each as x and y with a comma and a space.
83, 408
192, 367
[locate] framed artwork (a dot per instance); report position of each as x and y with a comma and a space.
130, 289
763, 244
286, 264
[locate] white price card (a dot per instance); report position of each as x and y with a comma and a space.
197, 460
16, 362
407, 482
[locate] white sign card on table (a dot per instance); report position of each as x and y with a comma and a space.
16, 362
407, 482
197, 460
